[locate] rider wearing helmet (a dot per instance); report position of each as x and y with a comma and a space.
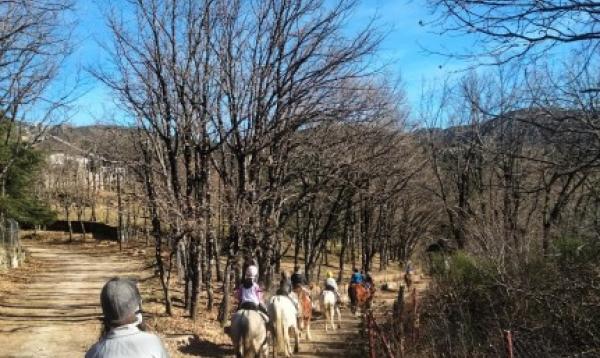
285, 285
331, 285
249, 294
356, 279
298, 279
299, 282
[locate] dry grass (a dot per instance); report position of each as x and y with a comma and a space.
9, 279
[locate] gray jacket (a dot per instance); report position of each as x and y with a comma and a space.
128, 342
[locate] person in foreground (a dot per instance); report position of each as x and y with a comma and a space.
123, 333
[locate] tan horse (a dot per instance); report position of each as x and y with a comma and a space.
249, 334
304, 310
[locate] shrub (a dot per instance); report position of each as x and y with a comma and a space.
552, 304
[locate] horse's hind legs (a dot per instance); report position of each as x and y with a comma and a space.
288, 347
296, 340
329, 318
333, 320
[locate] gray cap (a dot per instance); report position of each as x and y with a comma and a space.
120, 299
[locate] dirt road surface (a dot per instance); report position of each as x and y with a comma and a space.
56, 313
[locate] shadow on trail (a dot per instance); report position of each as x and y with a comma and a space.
203, 348
66, 307
16, 329
57, 319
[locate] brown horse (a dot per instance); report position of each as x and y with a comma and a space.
361, 296
304, 310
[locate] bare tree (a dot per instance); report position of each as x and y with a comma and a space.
281, 71
507, 30
34, 40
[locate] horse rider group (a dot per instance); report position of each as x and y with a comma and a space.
123, 328
250, 295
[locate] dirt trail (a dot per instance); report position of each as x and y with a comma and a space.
344, 342
56, 314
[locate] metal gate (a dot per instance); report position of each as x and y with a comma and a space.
10, 243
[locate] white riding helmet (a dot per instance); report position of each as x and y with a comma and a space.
252, 272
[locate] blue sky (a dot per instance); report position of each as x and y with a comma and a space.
401, 51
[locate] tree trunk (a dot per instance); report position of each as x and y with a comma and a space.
67, 212
298, 238
93, 197
217, 258
82, 229
156, 229
225, 303
120, 212
196, 254
210, 255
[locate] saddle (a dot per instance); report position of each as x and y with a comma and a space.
251, 306
332, 289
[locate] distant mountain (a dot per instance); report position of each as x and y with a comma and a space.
558, 133
531, 126
108, 141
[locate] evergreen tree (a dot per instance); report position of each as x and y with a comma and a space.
18, 199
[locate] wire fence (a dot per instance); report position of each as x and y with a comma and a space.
10, 243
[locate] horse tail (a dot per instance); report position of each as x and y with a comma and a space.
243, 333
332, 305
280, 330
240, 347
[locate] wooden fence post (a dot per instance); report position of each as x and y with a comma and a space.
372, 353
415, 316
400, 319
509, 344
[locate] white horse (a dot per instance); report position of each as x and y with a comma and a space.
330, 309
249, 334
283, 315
